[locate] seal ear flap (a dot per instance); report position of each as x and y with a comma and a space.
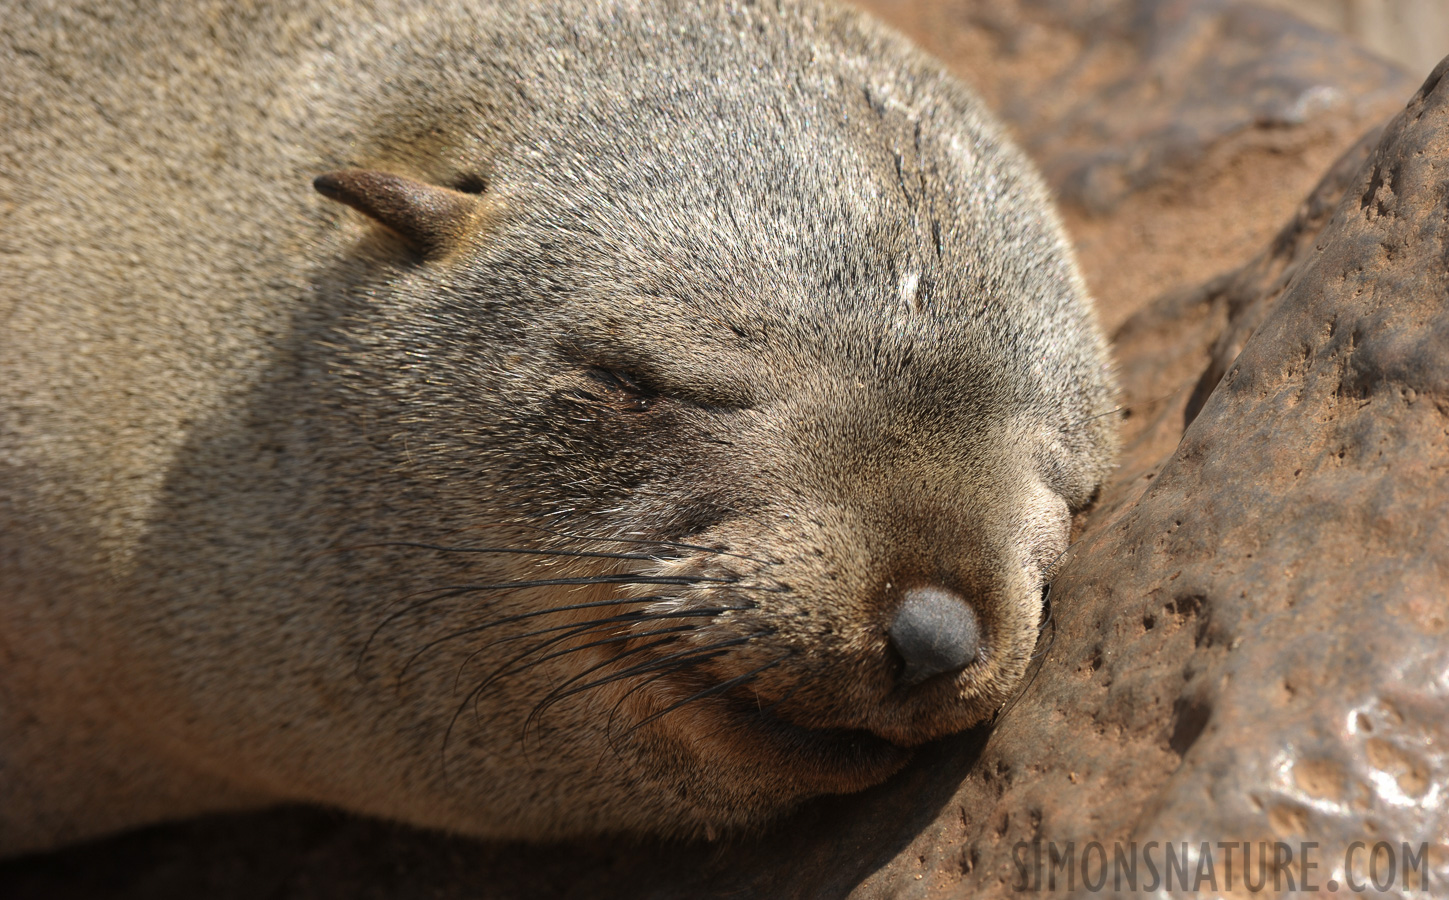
432, 219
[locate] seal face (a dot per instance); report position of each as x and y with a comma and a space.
684, 421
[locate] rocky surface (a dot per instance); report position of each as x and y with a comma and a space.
1257, 624
1250, 641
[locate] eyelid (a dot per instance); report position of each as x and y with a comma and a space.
646, 390
622, 380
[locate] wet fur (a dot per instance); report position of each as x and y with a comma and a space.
589, 517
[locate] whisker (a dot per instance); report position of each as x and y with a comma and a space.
521, 551
473, 694
448, 732
445, 593
1048, 618
519, 617
769, 707
1140, 404
557, 694
571, 629
674, 661
707, 692
507, 668
1040, 660
1116, 409
617, 578
724, 583
632, 616
636, 616
613, 639
613, 713
618, 540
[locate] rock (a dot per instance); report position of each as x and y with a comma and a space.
1249, 640
1258, 636
1303, 525
1172, 354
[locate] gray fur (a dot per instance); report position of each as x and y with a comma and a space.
230, 409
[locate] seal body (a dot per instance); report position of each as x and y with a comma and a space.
682, 421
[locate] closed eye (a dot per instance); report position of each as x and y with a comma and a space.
623, 390
628, 391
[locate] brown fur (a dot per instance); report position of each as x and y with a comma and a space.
759, 322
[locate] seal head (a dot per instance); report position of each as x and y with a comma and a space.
792, 401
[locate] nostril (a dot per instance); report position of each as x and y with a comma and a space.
934, 631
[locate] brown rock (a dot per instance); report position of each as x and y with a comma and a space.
1172, 354
1301, 534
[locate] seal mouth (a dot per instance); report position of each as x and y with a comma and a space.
833, 760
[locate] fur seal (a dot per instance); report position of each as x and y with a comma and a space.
660, 412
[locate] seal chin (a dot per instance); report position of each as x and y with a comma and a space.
837, 760
759, 754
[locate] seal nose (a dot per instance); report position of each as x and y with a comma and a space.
934, 631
